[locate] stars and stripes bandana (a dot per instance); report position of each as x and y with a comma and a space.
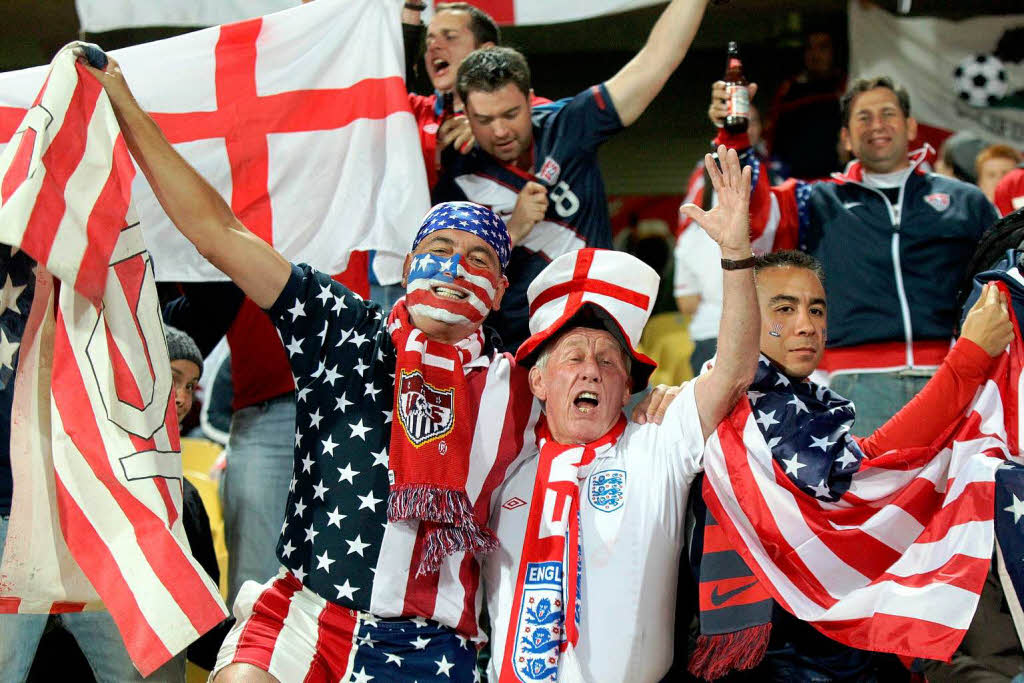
551, 569
807, 427
471, 218
470, 291
431, 440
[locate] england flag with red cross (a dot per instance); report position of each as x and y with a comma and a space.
300, 119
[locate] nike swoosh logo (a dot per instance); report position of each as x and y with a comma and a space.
850, 205
719, 599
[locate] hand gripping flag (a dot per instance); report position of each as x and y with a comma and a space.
96, 515
885, 553
300, 119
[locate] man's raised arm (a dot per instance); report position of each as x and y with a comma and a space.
739, 330
195, 207
637, 83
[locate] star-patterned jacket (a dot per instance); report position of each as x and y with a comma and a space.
336, 537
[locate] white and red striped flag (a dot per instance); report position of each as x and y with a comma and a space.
96, 513
300, 119
885, 553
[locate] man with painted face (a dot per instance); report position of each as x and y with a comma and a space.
591, 525
735, 610
545, 156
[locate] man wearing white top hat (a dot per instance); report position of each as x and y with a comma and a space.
590, 527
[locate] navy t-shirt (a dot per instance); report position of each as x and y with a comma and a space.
566, 136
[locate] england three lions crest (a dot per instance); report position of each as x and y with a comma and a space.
607, 490
424, 410
540, 625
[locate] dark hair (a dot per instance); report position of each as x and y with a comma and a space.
862, 85
789, 258
490, 69
1005, 233
480, 23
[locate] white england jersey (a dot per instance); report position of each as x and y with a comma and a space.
632, 507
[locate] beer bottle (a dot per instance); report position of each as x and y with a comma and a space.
737, 96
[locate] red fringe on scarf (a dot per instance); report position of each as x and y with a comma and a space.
716, 655
452, 526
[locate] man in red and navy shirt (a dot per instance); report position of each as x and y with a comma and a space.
537, 165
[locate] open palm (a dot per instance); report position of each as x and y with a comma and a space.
728, 223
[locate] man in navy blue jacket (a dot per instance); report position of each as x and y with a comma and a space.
893, 238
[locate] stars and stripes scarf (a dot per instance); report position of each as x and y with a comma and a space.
540, 634
886, 553
431, 440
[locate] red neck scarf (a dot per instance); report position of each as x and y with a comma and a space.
431, 438
550, 567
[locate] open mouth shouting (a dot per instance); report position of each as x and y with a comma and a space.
440, 67
586, 401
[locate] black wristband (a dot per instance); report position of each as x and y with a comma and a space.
729, 264
416, 6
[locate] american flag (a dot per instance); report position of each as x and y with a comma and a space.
885, 553
96, 514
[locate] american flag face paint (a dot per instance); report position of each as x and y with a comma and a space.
775, 330
448, 290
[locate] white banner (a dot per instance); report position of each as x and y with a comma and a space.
95, 16
955, 78
300, 119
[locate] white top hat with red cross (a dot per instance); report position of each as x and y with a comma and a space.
612, 288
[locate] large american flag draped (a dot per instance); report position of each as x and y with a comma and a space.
96, 514
885, 553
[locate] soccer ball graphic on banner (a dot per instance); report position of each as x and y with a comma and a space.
980, 80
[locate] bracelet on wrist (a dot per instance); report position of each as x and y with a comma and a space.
416, 6
730, 264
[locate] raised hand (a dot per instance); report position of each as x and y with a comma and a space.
728, 223
988, 322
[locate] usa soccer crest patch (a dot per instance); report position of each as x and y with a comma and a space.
549, 171
938, 201
424, 411
540, 628
607, 490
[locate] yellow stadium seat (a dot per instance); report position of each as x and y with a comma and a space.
197, 458
667, 341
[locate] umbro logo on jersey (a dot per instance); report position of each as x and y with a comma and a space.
513, 503
549, 171
938, 201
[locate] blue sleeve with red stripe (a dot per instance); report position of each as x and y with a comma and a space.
588, 119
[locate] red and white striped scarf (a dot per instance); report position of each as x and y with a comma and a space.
550, 566
431, 438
